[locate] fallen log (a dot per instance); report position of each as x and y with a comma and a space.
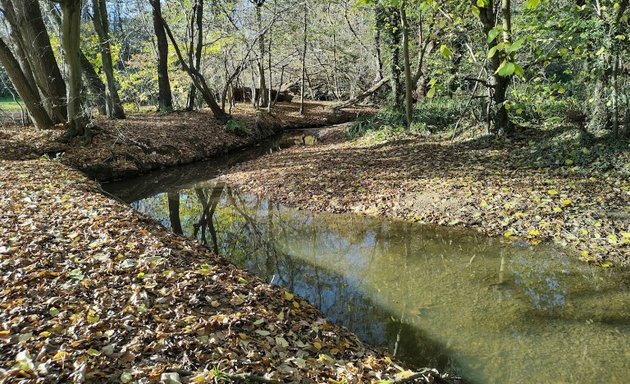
362, 96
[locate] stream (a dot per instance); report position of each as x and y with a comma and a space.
489, 310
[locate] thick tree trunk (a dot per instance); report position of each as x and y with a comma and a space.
23, 87
173, 213
164, 84
71, 38
101, 25
94, 82
388, 19
36, 45
498, 84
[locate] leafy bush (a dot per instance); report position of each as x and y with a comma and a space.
237, 127
430, 115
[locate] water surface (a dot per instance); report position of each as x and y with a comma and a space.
486, 309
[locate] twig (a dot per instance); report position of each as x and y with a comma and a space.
249, 378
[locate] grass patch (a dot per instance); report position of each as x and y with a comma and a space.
9, 105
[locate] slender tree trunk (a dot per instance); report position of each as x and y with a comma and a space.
101, 25
379, 55
198, 11
197, 78
23, 87
95, 84
408, 79
164, 84
262, 84
71, 38
270, 100
305, 30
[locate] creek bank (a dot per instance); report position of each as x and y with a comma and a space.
452, 184
93, 291
149, 141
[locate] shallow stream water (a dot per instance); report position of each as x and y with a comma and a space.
489, 310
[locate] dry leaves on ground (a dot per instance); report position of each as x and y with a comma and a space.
451, 184
91, 291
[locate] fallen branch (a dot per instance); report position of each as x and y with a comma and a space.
362, 96
248, 378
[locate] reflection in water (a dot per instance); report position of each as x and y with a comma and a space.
455, 300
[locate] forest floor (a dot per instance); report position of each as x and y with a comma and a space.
93, 291
149, 140
462, 184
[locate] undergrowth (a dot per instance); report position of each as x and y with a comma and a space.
550, 134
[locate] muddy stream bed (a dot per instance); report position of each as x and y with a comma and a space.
489, 310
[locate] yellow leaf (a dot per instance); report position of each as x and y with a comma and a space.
568, 162
566, 202
93, 352
534, 232
60, 355
288, 296
317, 345
557, 209
552, 192
508, 234
325, 357
403, 374
296, 305
612, 239
606, 265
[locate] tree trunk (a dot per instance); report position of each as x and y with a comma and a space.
164, 84
304, 59
101, 25
388, 19
198, 11
71, 39
173, 213
27, 19
198, 80
408, 79
23, 87
498, 84
262, 84
95, 84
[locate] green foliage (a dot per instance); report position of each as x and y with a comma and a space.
237, 127
430, 115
